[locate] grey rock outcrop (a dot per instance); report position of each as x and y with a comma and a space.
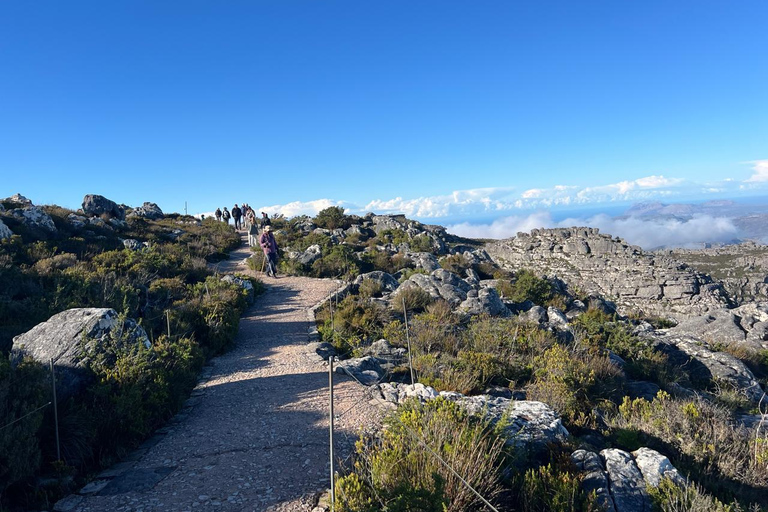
485, 301
366, 370
77, 221
5, 231
627, 484
610, 267
18, 200
746, 324
387, 282
655, 467
60, 339
594, 477
440, 284
310, 255
147, 211
96, 205
424, 260
707, 364
34, 217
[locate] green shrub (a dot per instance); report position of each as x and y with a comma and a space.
408, 272
332, 217
554, 489
455, 263
370, 288
421, 243
528, 286
390, 470
565, 382
599, 330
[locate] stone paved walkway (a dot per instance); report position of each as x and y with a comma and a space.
254, 436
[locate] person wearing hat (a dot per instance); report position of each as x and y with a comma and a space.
269, 246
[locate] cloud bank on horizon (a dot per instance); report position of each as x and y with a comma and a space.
647, 233
500, 200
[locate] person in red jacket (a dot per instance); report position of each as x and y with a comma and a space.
269, 246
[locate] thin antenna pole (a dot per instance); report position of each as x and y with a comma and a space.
408, 339
55, 411
330, 429
168, 321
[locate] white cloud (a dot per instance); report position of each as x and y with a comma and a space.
310, 208
760, 169
473, 201
647, 233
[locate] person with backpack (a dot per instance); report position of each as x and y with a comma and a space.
269, 246
225, 215
265, 220
218, 214
237, 213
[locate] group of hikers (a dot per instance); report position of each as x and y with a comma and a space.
245, 219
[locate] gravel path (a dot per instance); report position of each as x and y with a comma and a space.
254, 435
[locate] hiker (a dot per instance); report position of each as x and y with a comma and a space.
250, 218
218, 214
225, 215
269, 246
237, 213
265, 220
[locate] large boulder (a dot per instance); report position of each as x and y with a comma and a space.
529, 426
148, 211
35, 217
486, 301
424, 261
365, 370
61, 339
706, 364
97, 205
655, 467
441, 284
387, 282
310, 255
5, 231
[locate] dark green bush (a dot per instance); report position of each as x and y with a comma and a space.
332, 217
528, 286
414, 298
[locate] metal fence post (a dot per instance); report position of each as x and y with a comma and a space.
55, 411
408, 339
330, 429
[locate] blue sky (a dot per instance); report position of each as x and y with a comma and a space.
440, 109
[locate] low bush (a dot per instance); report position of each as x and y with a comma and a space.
702, 439
412, 297
455, 263
395, 471
687, 497
554, 488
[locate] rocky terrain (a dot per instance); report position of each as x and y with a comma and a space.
589, 357
592, 262
742, 268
